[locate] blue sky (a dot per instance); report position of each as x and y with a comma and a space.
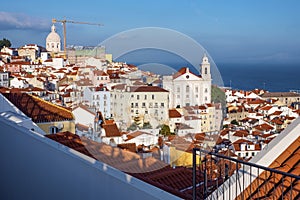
232, 31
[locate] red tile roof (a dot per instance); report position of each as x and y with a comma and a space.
173, 113
273, 185
135, 134
177, 181
263, 127
38, 109
111, 130
241, 133
266, 108
147, 89
279, 94
128, 146
183, 71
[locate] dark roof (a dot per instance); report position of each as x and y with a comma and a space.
128, 146
38, 109
147, 89
279, 94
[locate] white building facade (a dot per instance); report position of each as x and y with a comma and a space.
98, 98
188, 89
140, 104
4, 79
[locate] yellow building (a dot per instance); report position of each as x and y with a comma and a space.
182, 158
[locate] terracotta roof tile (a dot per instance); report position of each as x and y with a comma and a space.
128, 146
176, 181
183, 71
147, 89
38, 109
263, 127
279, 94
111, 130
274, 185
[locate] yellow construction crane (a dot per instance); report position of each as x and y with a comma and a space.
64, 21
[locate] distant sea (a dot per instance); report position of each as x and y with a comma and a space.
271, 77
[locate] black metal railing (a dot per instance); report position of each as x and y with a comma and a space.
222, 177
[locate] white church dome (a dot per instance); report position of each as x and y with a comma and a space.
53, 36
53, 41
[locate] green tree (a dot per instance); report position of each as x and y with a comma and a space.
5, 42
234, 122
165, 130
132, 127
147, 125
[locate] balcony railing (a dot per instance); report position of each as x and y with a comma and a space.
222, 177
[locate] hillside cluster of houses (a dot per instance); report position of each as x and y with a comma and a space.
118, 104
254, 118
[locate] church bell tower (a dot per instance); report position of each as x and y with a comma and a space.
205, 68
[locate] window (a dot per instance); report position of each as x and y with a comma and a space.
150, 105
136, 105
187, 88
132, 96
205, 90
146, 111
143, 105
205, 70
205, 98
247, 154
152, 96
253, 153
145, 97
132, 111
132, 105
137, 112
53, 129
178, 89
196, 89
137, 97
156, 105
162, 105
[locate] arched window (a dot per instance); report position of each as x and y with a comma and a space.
205, 70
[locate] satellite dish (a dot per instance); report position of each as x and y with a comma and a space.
60, 126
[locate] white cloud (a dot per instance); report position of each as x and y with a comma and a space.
10, 21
